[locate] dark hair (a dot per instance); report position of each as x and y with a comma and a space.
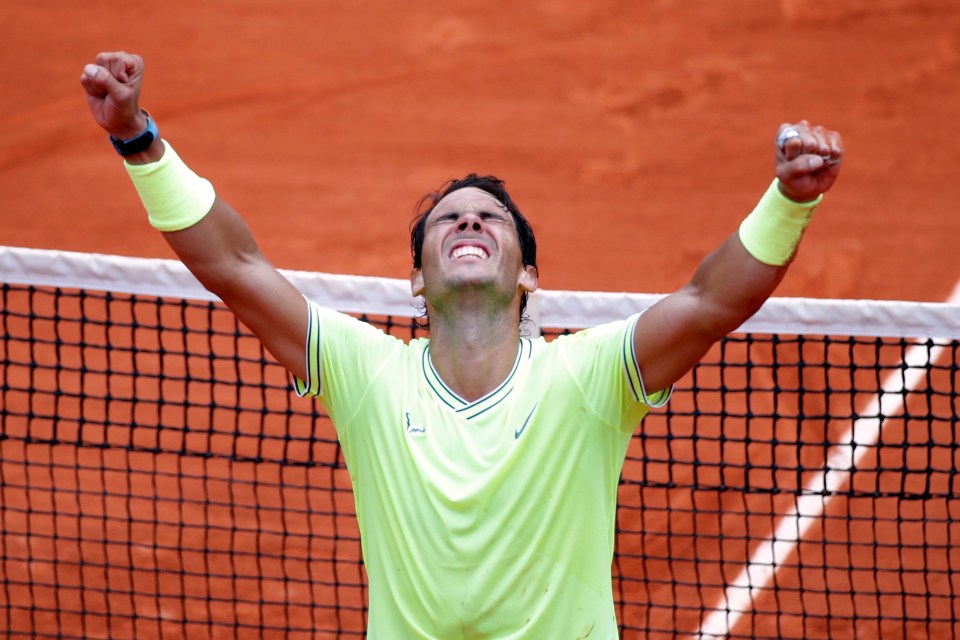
495, 187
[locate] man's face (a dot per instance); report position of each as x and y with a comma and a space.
470, 240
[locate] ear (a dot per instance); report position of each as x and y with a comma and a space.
416, 282
529, 278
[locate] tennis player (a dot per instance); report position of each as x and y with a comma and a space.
484, 464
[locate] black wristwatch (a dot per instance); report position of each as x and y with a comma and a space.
138, 143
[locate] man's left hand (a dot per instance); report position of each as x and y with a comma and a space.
808, 160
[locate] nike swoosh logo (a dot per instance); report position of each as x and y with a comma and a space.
519, 432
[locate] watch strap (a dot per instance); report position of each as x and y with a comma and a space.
139, 142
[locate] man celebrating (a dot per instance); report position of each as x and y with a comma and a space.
485, 465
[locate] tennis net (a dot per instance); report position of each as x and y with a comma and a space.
159, 479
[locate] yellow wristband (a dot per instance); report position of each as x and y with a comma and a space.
174, 196
773, 230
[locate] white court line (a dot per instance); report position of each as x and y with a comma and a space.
863, 434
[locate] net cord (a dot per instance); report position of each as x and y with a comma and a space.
548, 308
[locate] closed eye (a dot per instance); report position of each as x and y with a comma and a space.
496, 217
447, 217
486, 216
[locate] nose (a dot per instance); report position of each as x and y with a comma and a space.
469, 220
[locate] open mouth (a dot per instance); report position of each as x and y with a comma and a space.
469, 251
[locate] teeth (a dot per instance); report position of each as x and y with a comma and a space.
462, 252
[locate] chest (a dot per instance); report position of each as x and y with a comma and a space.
422, 436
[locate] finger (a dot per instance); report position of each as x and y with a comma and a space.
105, 58
122, 65
121, 68
809, 140
819, 144
825, 143
789, 141
98, 81
835, 145
796, 140
822, 142
88, 82
800, 167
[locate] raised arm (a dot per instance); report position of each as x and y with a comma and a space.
207, 234
733, 281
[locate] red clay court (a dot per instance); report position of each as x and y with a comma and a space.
635, 136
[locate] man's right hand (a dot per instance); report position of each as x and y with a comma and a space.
113, 93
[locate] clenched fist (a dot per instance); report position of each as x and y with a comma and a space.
808, 160
113, 93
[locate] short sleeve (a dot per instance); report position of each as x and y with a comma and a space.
602, 362
631, 368
343, 354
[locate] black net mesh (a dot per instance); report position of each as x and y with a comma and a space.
158, 478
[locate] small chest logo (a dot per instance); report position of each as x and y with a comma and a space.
523, 427
413, 428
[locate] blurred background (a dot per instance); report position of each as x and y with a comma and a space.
634, 135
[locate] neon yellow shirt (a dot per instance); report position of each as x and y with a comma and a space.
485, 519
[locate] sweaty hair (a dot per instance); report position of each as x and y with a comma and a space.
495, 187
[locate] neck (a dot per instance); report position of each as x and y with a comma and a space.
474, 351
